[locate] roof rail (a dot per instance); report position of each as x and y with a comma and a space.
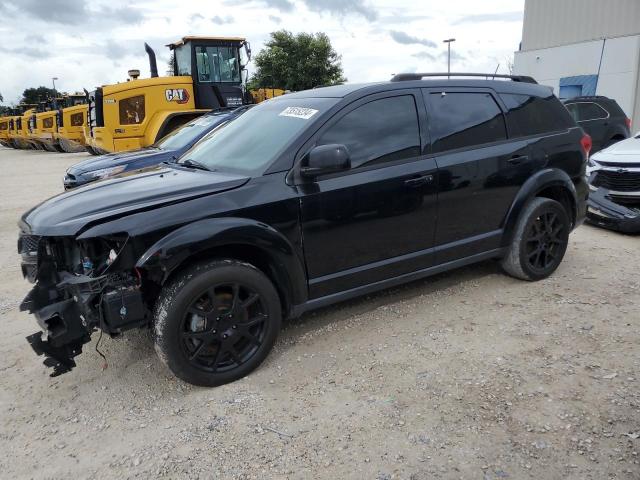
587, 97
403, 77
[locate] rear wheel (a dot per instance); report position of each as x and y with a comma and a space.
90, 150
216, 322
540, 240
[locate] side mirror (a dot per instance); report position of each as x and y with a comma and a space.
325, 159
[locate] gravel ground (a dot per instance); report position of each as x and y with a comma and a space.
467, 375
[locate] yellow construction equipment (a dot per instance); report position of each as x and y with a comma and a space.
207, 75
20, 134
11, 135
72, 118
43, 126
4, 131
262, 94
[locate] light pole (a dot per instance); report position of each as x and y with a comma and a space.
448, 42
55, 94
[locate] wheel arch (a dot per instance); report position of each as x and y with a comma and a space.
237, 238
550, 183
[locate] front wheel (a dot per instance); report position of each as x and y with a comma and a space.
540, 240
216, 322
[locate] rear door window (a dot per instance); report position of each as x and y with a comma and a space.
532, 115
585, 111
380, 131
462, 120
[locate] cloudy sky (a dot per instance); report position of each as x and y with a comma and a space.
89, 43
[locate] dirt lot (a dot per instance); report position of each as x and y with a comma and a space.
469, 375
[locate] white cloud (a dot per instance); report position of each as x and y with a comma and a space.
107, 39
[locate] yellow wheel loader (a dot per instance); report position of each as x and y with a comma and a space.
11, 133
43, 127
261, 94
4, 132
20, 133
72, 119
207, 75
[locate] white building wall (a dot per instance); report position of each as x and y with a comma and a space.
550, 23
619, 72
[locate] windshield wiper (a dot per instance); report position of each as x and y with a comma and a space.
194, 164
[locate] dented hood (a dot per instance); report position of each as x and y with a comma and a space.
72, 212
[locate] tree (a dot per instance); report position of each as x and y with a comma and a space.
35, 95
297, 62
1, 98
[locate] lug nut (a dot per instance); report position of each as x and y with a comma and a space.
235, 326
215, 331
224, 336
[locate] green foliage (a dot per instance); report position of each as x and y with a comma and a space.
297, 62
35, 95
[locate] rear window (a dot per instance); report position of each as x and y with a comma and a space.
459, 120
529, 115
47, 122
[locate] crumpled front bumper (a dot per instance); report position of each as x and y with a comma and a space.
63, 333
603, 211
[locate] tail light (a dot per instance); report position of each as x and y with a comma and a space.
586, 143
628, 122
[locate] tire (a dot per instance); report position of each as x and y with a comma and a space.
201, 337
540, 240
90, 150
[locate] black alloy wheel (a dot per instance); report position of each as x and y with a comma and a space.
216, 321
544, 241
540, 240
223, 327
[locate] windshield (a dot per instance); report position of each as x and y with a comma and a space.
218, 64
251, 142
190, 132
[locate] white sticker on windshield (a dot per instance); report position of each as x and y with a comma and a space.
298, 112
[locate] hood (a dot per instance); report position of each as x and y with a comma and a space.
625, 151
71, 212
115, 159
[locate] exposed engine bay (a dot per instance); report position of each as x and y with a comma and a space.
77, 291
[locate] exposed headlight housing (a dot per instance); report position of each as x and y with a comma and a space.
105, 172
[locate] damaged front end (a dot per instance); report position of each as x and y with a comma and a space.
80, 286
614, 201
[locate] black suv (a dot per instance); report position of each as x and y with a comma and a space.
602, 118
303, 201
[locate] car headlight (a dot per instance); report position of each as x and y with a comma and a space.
592, 163
106, 172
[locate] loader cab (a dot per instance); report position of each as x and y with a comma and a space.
216, 65
70, 101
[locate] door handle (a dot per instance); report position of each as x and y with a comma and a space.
516, 159
419, 181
